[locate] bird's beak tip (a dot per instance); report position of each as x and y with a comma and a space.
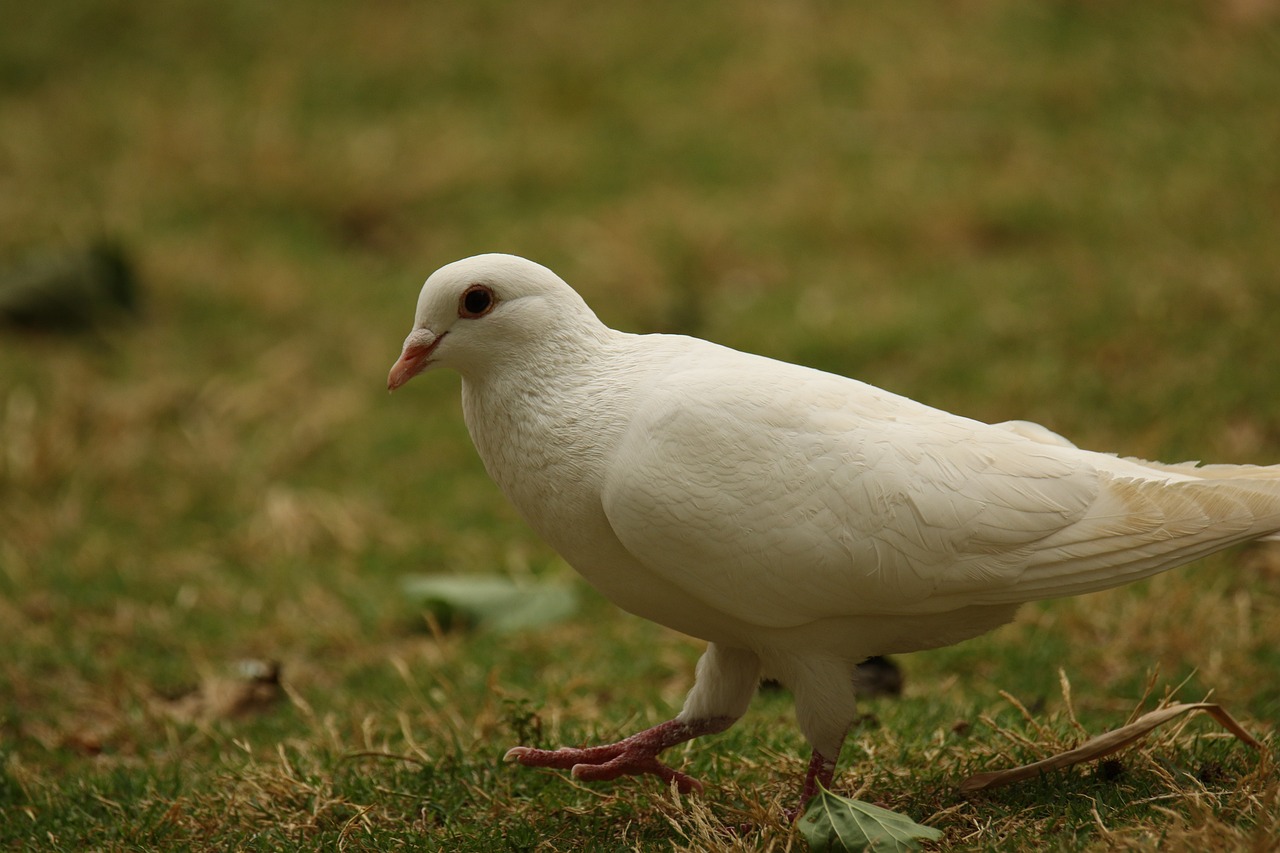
413, 360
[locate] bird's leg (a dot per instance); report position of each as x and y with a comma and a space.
874, 676
633, 756
825, 708
726, 681
821, 771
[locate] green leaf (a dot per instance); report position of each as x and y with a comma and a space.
493, 602
842, 825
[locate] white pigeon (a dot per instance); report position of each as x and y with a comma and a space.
797, 520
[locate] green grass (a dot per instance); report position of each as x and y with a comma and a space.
1060, 211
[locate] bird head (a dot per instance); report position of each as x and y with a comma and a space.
485, 310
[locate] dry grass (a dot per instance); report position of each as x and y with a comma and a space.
1061, 211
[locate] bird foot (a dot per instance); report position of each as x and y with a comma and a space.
590, 765
633, 756
820, 773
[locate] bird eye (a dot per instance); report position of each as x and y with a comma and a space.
477, 301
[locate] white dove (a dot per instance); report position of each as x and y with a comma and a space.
797, 520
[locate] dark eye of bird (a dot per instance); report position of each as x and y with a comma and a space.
477, 301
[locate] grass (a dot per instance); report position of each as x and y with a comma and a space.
1060, 211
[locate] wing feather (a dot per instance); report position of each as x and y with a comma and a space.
803, 495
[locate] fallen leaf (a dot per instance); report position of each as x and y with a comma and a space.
841, 825
89, 740
68, 289
878, 676
255, 686
493, 602
1105, 744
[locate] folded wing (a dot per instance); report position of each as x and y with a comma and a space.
801, 495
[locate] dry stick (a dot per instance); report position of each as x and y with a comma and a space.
1105, 744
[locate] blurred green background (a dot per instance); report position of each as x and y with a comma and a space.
1063, 211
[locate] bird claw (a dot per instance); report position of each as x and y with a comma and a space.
604, 763
625, 765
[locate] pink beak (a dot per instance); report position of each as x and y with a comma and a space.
413, 360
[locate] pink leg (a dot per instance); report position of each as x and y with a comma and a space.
636, 755
821, 771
